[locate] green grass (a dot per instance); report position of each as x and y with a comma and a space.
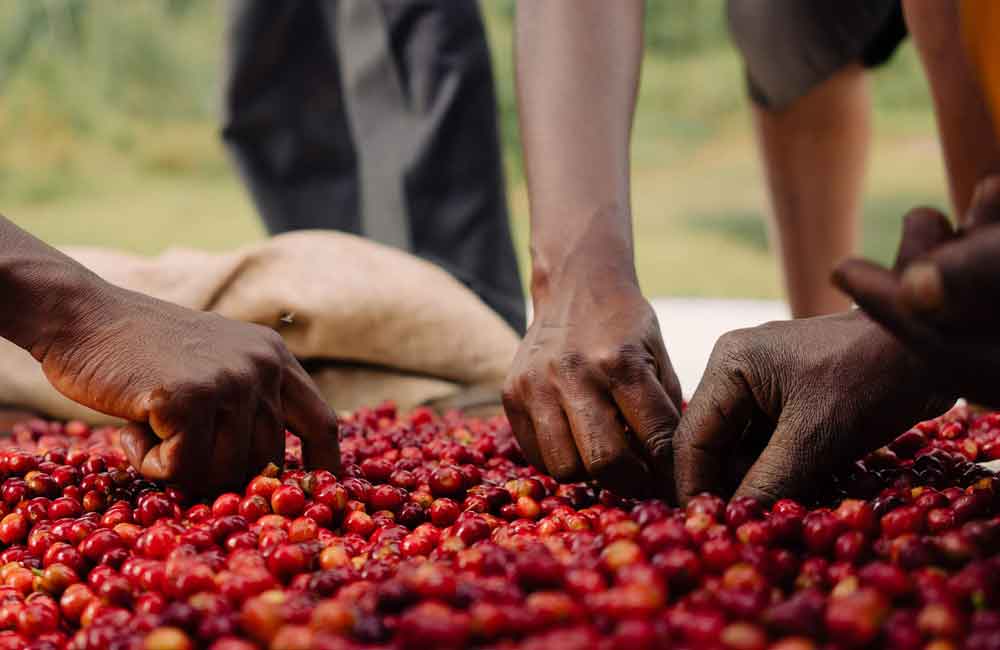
109, 138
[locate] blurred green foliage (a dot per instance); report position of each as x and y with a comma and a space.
86, 79
685, 27
110, 70
131, 58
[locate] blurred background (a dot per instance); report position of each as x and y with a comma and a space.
109, 135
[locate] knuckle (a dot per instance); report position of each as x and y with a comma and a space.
564, 471
729, 346
989, 185
735, 359
514, 391
272, 348
603, 465
567, 366
184, 394
269, 368
267, 334
230, 382
916, 217
660, 443
525, 382
628, 365
275, 339
509, 396
618, 360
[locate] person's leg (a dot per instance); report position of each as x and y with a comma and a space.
422, 110
967, 131
814, 155
283, 116
805, 66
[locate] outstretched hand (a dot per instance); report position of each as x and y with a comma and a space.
943, 304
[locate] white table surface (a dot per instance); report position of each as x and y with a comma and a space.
691, 326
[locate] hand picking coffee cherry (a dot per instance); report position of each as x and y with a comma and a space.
439, 534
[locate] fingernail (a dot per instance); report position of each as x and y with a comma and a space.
922, 288
839, 273
987, 187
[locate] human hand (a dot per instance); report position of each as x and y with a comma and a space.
817, 392
786, 401
591, 392
208, 398
943, 305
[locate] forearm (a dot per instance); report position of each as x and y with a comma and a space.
577, 75
42, 290
967, 133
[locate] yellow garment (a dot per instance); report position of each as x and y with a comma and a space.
981, 33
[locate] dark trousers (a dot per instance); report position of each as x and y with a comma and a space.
375, 117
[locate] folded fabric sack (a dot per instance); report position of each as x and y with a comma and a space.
370, 322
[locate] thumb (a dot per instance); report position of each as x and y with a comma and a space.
923, 230
985, 206
789, 462
956, 286
715, 419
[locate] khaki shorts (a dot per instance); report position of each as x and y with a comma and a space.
791, 46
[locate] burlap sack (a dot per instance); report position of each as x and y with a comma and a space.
371, 322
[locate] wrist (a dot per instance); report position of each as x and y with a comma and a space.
53, 299
597, 275
569, 251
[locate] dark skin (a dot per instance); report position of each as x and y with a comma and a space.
943, 306
591, 393
813, 397
782, 403
207, 398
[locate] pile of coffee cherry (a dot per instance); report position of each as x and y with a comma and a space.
437, 534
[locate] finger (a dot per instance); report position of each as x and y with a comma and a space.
951, 285
788, 465
652, 416
923, 230
311, 419
136, 440
864, 280
716, 417
232, 446
671, 384
877, 291
985, 206
523, 428
267, 444
555, 440
755, 438
664, 369
166, 461
600, 438
185, 422
921, 288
